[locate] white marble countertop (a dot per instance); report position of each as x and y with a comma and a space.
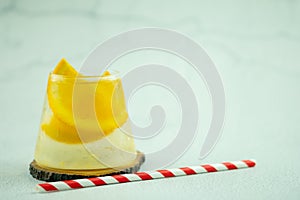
255, 45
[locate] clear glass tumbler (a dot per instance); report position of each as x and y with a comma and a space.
84, 124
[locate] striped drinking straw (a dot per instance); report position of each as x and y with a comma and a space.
142, 176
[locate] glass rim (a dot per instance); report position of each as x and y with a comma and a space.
114, 74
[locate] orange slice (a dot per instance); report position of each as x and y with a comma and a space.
62, 132
65, 68
70, 96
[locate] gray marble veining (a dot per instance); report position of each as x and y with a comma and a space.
255, 45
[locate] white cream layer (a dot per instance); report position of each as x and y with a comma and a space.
115, 150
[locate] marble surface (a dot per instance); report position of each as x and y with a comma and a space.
255, 45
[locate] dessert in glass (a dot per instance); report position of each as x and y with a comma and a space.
84, 129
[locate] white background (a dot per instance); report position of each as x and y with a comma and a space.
255, 45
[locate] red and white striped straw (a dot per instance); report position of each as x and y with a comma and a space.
142, 176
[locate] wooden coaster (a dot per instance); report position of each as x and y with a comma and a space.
51, 174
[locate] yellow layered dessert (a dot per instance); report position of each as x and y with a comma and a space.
84, 123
